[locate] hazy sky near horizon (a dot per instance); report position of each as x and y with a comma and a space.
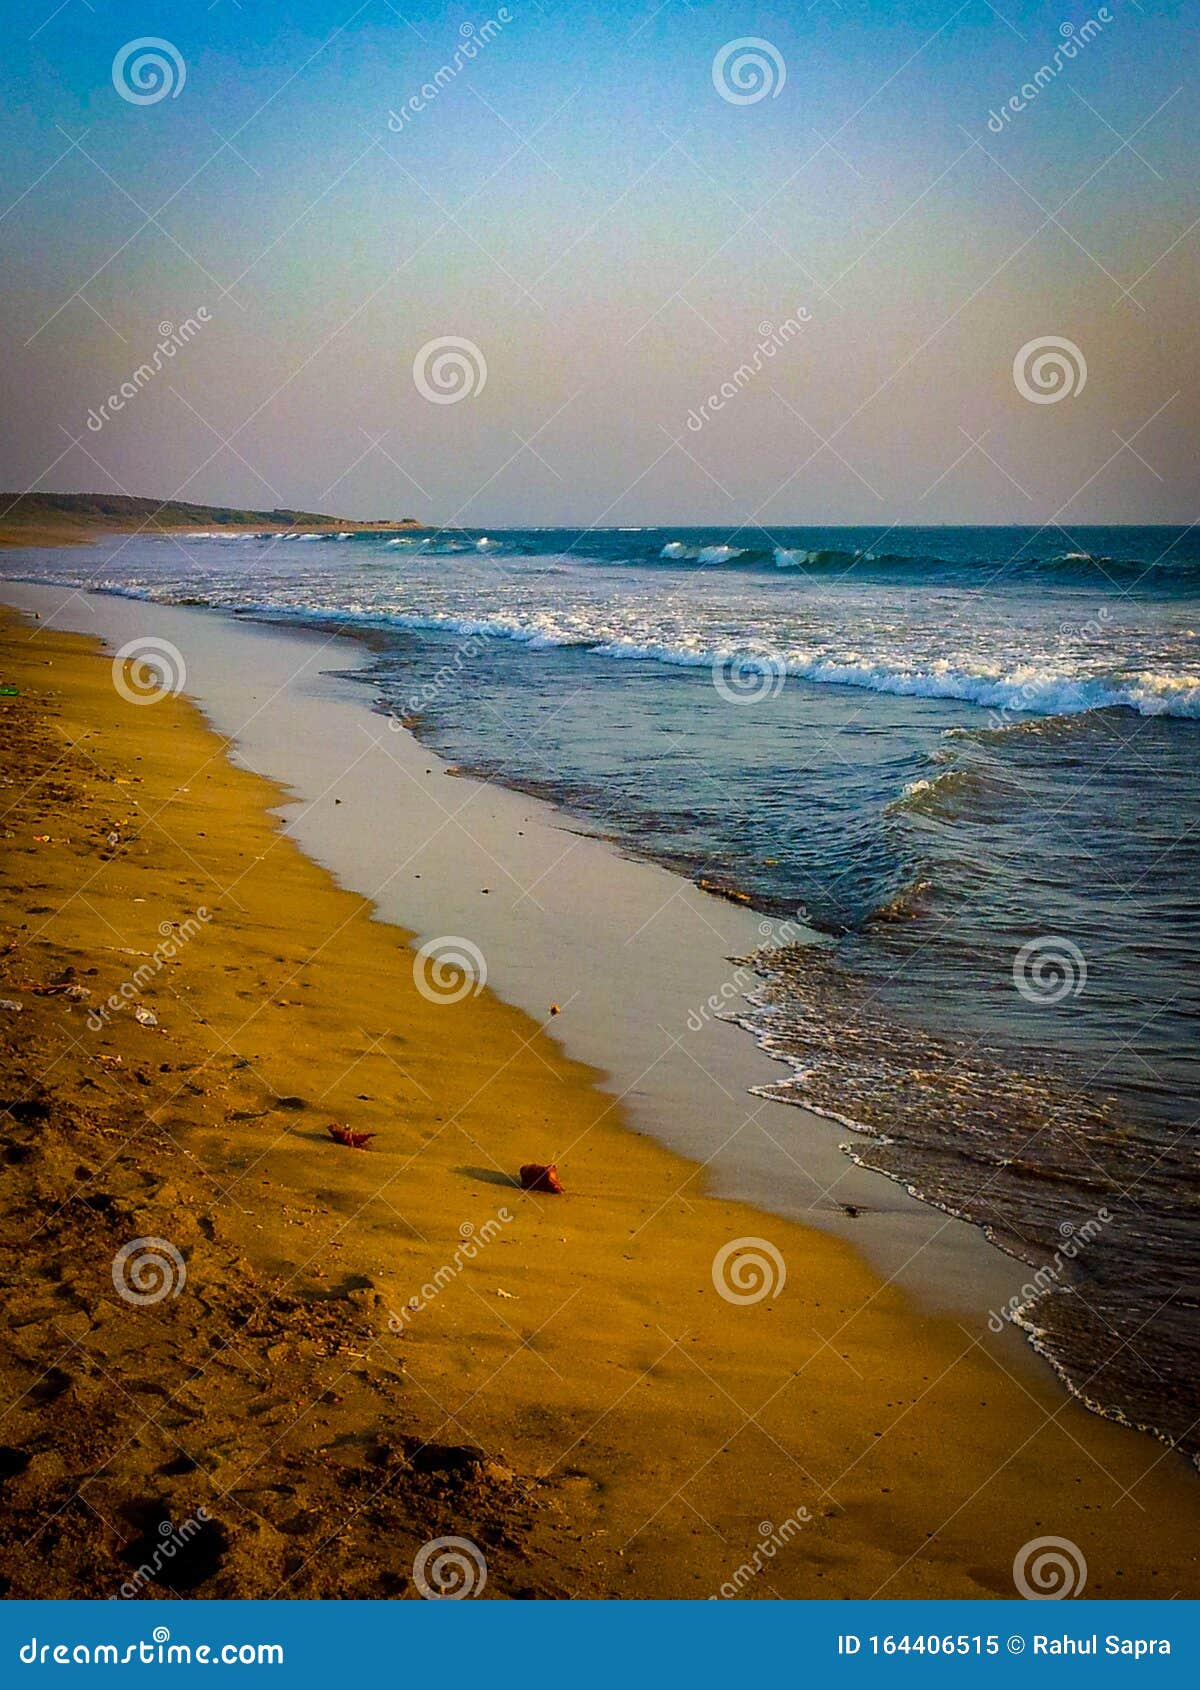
583, 204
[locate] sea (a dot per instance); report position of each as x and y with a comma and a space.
967, 759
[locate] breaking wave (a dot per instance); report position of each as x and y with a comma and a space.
1023, 690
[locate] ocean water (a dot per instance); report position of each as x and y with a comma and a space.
967, 757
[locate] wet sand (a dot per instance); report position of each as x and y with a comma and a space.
577, 1397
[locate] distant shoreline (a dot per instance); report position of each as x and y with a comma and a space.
72, 519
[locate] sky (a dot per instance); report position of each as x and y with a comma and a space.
609, 210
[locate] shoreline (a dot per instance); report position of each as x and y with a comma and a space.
653, 1376
669, 955
50, 537
714, 1098
50, 520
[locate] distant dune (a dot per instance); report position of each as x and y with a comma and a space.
63, 519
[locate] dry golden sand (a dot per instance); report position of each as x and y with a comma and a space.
638, 1430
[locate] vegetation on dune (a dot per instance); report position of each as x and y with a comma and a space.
61, 516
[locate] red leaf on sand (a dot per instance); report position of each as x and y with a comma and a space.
539, 1176
348, 1137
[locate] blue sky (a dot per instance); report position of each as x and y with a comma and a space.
581, 204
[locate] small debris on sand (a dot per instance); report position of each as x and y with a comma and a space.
541, 1176
347, 1136
719, 889
60, 988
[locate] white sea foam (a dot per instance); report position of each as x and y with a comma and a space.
223, 534
1018, 656
702, 554
1024, 690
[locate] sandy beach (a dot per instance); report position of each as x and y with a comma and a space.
360, 1351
